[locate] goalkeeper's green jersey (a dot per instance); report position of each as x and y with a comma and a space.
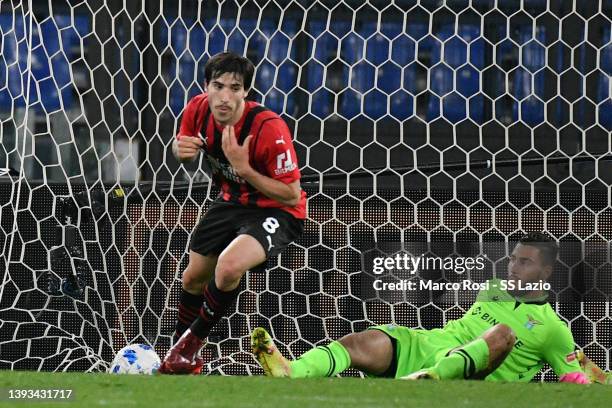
541, 336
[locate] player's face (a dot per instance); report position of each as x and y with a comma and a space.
526, 265
226, 96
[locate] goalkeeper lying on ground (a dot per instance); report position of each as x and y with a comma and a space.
504, 336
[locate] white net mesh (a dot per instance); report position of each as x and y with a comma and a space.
413, 120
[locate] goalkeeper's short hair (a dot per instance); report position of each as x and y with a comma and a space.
549, 249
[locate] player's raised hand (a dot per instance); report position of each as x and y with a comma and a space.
187, 148
237, 155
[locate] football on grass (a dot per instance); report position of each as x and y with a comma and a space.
135, 359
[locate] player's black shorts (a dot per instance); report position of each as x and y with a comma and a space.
224, 221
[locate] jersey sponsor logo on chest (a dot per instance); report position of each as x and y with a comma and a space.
487, 317
224, 169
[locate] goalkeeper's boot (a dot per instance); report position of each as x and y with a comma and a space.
425, 374
268, 356
184, 357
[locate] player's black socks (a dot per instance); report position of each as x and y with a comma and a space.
188, 309
213, 308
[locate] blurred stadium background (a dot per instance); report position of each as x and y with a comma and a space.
413, 121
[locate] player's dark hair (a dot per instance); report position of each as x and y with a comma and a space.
549, 249
229, 62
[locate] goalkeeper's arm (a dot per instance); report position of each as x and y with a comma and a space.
559, 353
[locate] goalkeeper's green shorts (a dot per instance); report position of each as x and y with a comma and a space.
416, 349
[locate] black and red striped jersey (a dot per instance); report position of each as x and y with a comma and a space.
271, 152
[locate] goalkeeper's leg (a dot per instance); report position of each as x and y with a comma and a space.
370, 351
474, 360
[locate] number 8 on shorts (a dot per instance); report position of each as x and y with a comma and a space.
270, 225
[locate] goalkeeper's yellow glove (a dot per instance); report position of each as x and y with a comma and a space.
592, 371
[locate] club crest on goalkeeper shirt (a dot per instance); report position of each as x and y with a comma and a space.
531, 322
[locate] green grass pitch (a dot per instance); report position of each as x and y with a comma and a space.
94, 390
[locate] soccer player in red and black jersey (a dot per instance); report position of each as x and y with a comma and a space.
249, 152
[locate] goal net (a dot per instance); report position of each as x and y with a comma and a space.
414, 121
